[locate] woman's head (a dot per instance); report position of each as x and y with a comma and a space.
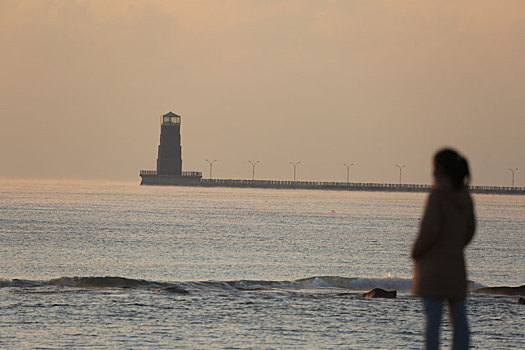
450, 164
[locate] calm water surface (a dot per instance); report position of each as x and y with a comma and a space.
116, 265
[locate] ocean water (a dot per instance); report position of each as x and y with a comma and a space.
120, 266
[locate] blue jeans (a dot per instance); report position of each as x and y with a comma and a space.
458, 321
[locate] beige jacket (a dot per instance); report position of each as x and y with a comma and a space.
447, 226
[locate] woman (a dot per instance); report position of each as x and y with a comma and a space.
447, 226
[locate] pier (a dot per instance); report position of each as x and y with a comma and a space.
350, 186
169, 172
194, 178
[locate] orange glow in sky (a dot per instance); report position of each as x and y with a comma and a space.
375, 83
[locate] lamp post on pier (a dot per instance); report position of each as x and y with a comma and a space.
400, 171
294, 164
211, 164
513, 171
253, 168
348, 171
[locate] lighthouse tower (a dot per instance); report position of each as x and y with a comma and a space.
169, 161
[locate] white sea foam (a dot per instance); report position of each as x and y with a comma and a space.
402, 285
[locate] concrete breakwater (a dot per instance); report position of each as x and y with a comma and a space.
195, 179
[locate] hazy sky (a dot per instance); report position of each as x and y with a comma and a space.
375, 83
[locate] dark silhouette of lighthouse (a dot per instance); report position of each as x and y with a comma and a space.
169, 161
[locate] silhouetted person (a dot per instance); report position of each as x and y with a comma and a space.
447, 226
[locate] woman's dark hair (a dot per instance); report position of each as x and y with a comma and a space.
454, 166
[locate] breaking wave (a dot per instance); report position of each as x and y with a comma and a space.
351, 284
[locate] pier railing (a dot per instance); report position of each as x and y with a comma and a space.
148, 172
356, 186
192, 173
315, 185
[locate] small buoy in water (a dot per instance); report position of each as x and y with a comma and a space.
521, 301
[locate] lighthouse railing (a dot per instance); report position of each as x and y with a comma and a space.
184, 173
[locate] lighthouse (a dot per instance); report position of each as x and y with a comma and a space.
169, 161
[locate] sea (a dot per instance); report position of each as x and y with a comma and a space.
102, 265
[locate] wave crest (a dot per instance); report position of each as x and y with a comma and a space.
357, 284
